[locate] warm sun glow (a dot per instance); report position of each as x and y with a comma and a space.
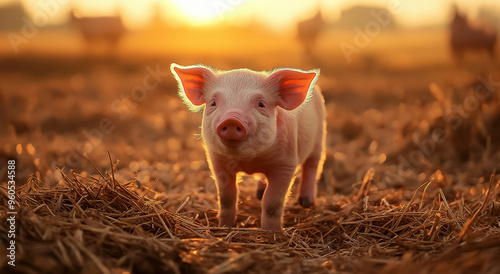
200, 12
137, 14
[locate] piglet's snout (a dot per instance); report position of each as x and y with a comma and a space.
231, 131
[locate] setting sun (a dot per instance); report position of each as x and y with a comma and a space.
200, 12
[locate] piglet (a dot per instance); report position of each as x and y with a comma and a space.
263, 123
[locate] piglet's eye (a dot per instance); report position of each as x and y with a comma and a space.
261, 105
213, 104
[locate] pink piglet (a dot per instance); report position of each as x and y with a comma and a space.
265, 123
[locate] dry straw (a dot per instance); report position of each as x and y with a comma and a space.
96, 224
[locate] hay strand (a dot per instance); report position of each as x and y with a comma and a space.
470, 221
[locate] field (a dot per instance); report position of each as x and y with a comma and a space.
111, 174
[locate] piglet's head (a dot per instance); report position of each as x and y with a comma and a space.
244, 110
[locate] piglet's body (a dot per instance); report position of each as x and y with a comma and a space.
260, 123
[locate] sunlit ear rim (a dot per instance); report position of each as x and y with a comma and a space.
295, 86
190, 81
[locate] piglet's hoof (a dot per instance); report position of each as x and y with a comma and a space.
260, 193
305, 202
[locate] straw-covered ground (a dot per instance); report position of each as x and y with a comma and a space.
96, 223
410, 184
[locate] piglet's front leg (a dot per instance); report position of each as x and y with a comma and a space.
227, 191
274, 197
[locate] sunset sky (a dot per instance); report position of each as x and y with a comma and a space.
137, 13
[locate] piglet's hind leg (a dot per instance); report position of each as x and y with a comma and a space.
261, 185
307, 186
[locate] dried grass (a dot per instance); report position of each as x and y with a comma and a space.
97, 224
146, 216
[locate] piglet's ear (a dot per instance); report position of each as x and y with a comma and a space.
294, 86
191, 81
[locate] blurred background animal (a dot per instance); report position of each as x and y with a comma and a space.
106, 29
308, 31
469, 36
